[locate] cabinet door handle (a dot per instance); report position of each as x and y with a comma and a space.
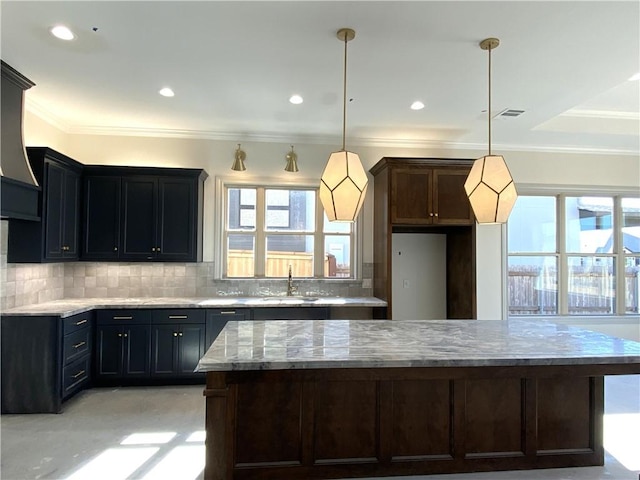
81, 372
431, 214
228, 312
180, 334
178, 316
153, 249
80, 322
119, 334
436, 214
115, 249
78, 345
123, 318
175, 334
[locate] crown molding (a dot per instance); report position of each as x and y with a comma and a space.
378, 142
39, 110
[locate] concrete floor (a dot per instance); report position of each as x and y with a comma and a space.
95, 438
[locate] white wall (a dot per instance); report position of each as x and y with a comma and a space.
419, 272
267, 161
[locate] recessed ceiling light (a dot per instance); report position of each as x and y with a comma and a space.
62, 32
166, 92
635, 77
296, 99
417, 105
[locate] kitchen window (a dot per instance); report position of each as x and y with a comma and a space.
576, 255
269, 229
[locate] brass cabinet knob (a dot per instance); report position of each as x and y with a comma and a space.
431, 214
436, 214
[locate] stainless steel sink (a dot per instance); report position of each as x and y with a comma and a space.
294, 299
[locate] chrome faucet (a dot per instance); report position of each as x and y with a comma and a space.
291, 288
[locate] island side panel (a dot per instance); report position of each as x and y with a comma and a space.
219, 417
339, 423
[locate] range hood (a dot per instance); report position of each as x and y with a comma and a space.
18, 187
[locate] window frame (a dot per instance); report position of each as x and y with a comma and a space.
222, 184
618, 255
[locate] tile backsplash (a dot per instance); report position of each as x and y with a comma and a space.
26, 283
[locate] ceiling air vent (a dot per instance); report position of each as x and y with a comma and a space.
509, 113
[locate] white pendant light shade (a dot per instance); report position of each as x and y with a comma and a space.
343, 186
490, 189
489, 186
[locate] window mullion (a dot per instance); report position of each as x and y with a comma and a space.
618, 256
563, 273
260, 235
318, 241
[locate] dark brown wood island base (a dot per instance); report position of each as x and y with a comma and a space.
341, 423
319, 423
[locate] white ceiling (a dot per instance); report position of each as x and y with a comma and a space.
233, 66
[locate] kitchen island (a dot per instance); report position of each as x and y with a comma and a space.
361, 398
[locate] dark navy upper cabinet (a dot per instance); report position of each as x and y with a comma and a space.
101, 217
55, 237
143, 214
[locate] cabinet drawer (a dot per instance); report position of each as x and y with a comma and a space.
76, 322
125, 316
177, 316
76, 344
75, 374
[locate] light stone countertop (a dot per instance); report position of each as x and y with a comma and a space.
299, 344
73, 306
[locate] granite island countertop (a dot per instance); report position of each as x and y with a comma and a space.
72, 306
292, 344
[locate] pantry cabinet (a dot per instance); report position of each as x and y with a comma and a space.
425, 196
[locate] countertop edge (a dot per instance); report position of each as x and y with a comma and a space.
62, 309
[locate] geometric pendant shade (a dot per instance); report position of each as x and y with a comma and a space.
489, 186
343, 186
491, 190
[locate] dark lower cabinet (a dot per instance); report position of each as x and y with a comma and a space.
45, 361
123, 351
176, 350
123, 345
218, 318
177, 343
290, 313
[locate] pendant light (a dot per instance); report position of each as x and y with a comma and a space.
238, 163
343, 185
489, 186
292, 161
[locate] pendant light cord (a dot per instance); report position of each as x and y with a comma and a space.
344, 96
489, 110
